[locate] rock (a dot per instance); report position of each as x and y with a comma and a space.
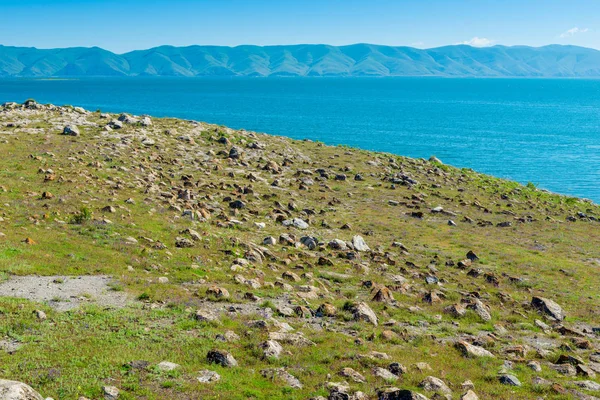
564, 369
295, 339
217, 292
283, 375
535, 366
205, 316
71, 130
352, 374
548, 307
587, 385
40, 315
146, 121
235, 153
384, 374
269, 241
296, 222
470, 350
13, 390
237, 204
362, 311
470, 395
433, 384
221, 357
166, 366
393, 393
337, 244
110, 392
326, 310
382, 294
397, 369
207, 376
183, 242
479, 309
509, 380
359, 243
456, 310
271, 349
163, 280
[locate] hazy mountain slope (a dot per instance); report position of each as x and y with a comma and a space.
305, 60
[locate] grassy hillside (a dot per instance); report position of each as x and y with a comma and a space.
304, 60
226, 239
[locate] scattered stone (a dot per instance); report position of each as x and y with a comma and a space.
470, 350
271, 349
207, 376
13, 390
548, 307
110, 392
352, 374
509, 380
283, 375
359, 243
362, 311
71, 130
433, 384
166, 366
221, 357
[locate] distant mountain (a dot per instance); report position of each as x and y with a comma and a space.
304, 60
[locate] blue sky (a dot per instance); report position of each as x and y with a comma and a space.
126, 25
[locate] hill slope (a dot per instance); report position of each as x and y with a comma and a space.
305, 60
323, 271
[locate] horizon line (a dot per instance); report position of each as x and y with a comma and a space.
300, 44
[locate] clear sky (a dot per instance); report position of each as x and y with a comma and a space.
124, 25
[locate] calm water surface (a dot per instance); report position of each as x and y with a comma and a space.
543, 131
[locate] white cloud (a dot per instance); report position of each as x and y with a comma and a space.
417, 44
478, 42
573, 31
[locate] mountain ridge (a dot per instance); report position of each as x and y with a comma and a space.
360, 59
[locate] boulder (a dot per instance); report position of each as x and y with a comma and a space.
71, 130
393, 393
207, 376
470, 350
221, 357
13, 390
362, 311
359, 243
548, 307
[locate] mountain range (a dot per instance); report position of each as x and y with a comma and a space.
304, 60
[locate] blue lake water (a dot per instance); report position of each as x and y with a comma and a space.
545, 131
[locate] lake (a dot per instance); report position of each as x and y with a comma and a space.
544, 131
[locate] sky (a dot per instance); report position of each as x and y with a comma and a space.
125, 25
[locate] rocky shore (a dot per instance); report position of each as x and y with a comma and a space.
145, 258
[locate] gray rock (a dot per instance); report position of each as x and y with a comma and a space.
433, 384
363, 312
587, 385
470, 395
271, 348
352, 374
166, 366
548, 307
384, 374
359, 243
282, 374
221, 357
470, 350
71, 130
509, 380
13, 390
110, 392
393, 393
207, 376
